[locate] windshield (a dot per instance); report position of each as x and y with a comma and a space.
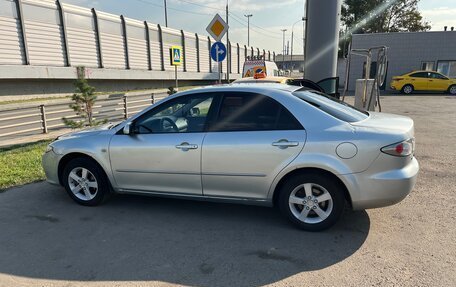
332, 106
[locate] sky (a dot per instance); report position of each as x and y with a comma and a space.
269, 17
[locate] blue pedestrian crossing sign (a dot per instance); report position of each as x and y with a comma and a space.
175, 55
218, 52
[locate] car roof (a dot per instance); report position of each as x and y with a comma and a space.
244, 87
421, 71
259, 80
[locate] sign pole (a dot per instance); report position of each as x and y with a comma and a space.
219, 64
220, 72
175, 75
175, 55
228, 51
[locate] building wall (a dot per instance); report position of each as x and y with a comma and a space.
51, 34
406, 51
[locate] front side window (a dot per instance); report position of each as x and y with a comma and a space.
186, 114
438, 76
253, 112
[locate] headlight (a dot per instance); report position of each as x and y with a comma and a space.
49, 148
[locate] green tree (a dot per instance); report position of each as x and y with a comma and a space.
83, 102
383, 16
379, 16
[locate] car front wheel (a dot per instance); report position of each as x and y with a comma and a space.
85, 182
312, 201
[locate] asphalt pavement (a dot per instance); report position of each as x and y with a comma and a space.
47, 240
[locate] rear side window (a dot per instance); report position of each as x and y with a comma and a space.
419, 75
332, 106
253, 112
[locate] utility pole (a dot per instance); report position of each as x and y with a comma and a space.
283, 48
228, 48
292, 40
166, 15
248, 28
304, 36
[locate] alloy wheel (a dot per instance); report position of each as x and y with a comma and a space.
82, 183
453, 90
408, 89
310, 203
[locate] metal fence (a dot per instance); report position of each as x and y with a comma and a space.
27, 121
52, 33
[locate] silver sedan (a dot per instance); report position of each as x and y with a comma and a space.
274, 145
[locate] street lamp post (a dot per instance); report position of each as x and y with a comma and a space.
166, 15
283, 48
248, 28
292, 39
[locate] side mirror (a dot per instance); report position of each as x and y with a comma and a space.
127, 129
194, 112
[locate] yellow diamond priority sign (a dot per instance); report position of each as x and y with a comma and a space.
217, 28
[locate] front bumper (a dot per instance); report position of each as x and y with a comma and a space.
50, 162
383, 188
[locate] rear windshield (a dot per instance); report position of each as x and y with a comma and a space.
332, 106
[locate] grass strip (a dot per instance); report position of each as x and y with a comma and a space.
21, 164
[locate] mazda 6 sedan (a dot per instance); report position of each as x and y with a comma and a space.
265, 144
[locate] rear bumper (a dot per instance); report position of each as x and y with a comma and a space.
372, 190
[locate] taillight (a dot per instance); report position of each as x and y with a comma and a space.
404, 148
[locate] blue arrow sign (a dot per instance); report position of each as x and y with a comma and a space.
218, 52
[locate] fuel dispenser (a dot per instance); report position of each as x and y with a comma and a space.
367, 90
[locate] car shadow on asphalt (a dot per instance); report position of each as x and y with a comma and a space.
131, 238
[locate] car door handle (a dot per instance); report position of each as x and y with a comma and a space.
285, 144
186, 146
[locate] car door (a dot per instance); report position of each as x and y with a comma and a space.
251, 139
438, 82
163, 151
420, 81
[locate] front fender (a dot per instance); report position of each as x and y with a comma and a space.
95, 147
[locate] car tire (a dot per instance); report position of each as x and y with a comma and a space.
86, 182
312, 201
407, 89
452, 90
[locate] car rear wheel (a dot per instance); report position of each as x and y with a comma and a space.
312, 201
407, 89
85, 182
452, 90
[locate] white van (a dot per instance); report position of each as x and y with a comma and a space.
258, 65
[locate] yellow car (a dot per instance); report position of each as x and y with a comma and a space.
423, 81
